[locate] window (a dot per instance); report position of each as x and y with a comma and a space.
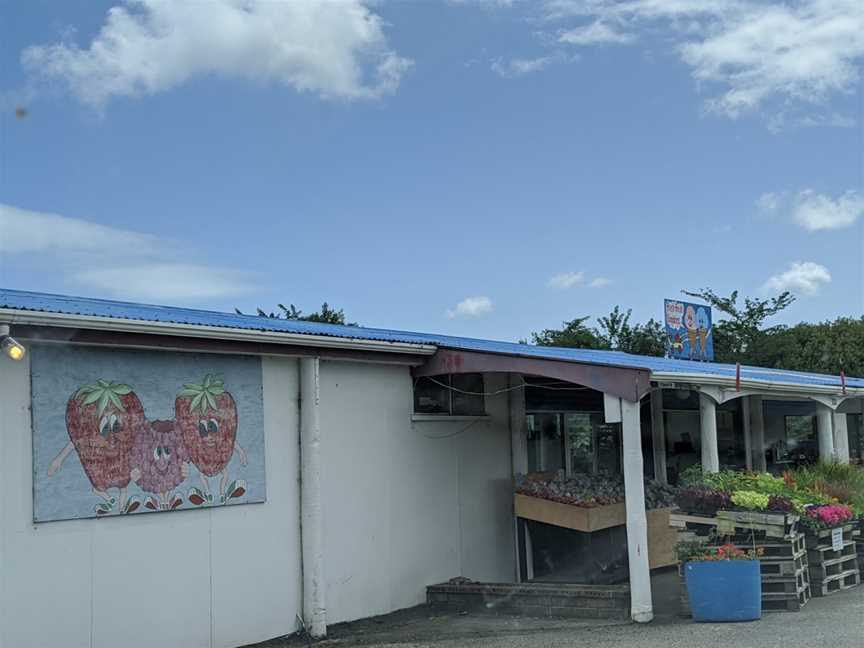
800, 444
576, 442
450, 395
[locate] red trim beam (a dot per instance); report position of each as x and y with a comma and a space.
630, 384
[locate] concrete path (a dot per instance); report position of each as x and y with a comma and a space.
833, 622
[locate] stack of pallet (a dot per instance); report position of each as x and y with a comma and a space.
833, 560
785, 575
858, 537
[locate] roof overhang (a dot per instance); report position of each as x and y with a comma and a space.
24, 323
623, 382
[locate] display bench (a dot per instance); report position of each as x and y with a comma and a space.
661, 537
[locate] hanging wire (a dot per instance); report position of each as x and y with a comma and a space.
503, 390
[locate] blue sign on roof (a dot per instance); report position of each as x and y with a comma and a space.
688, 330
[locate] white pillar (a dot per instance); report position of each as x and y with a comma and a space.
641, 608
748, 439
314, 590
518, 459
841, 438
825, 434
757, 433
708, 423
658, 435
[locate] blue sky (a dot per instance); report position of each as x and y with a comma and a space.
478, 168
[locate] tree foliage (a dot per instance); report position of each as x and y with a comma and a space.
572, 334
327, 314
615, 332
741, 337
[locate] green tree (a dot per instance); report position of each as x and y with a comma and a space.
327, 314
826, 347
642, 339
615, 332
572, 334
741, 337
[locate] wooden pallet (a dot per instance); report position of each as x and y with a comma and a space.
756, 524
816, 537
783, 568
840, 582
786, 602
826, 553
824, 571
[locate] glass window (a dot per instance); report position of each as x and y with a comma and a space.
456, 394
579, 429
800, 445
856, 436
432, 395
467, 394
545, 443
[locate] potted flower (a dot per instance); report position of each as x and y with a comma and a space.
724, 584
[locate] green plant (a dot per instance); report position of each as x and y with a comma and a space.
750, 500
829, 482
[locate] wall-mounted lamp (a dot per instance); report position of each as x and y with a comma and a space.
11, 347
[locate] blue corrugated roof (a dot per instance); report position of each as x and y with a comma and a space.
42, 302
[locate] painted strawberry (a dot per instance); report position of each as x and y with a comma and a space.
158, 458
102, 420
206, 416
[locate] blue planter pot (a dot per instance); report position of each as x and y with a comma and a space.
724, 591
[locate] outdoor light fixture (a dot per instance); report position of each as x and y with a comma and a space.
11, 347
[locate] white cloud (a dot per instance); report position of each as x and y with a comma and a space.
600, 282
802, 277
520, 67
755, 54
471, 307
770, 202
26, 231
171, 282
597, 33
566, 280
815, 211
337, 50
113, 261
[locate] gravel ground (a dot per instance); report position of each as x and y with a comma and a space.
833, 622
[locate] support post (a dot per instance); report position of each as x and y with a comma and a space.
708, 424
748, 439
641, 608
825, 434
658, 435
757, 433
841, 438
314, 590
518, 454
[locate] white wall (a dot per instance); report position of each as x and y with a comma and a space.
220, 577
407, 504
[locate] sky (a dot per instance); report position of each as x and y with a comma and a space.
486, 168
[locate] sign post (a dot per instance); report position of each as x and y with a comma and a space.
688, 331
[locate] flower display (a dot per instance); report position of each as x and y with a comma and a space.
695, 552
591, 491
828, 516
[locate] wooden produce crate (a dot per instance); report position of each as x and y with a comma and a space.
661, 537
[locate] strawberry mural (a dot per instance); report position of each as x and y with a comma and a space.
159, 464
206, 416
102, 421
